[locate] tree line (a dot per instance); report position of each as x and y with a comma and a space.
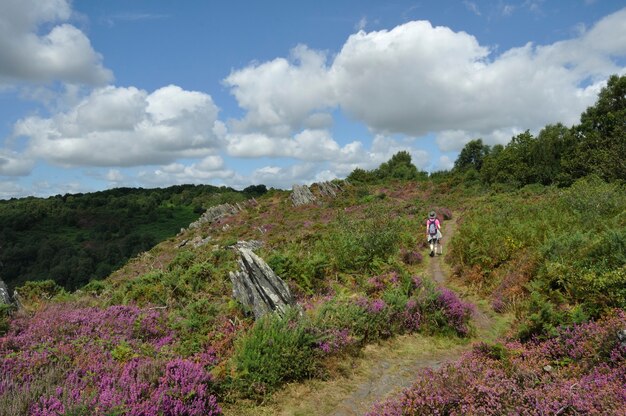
558, 155
74, 238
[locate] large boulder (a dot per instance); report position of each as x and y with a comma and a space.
257, 287
301, 195
5, 298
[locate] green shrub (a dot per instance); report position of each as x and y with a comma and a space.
149, 288
275, 351
355, 244
183, 259
306, 269
594, 199
5, 313
193, 322
33, 292
123, 352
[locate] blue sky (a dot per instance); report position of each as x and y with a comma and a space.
151, 93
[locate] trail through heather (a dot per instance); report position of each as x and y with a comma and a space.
385, 368
392, 372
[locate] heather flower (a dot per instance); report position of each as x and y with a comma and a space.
411, 316
48, 406
498, 305
376, 306
417, 282
533, 378
335, 340
411, 257
457, 312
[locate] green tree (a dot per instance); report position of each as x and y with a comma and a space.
399, 166
600, 146
472, 156
548, 152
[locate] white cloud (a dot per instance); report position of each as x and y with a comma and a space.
310, 145
508, 9
116, 126
209, 169
361, 24
417, 79
279, 95
9, 189
284, 177
14, 164
472, 7
444, 163
114, 175
61, 53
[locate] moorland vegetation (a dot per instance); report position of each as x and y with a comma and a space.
540, 236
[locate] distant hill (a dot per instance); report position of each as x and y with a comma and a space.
74, 238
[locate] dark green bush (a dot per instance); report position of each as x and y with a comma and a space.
355, 244
37, 291
5, 313
275, 351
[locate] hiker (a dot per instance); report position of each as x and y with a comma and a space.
433, 233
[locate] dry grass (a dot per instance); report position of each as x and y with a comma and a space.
357, 380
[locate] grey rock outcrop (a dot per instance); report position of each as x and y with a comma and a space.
328, 188
220, 211
196, 242
621, 336
301, 195
5, 298
257, 287
250, 244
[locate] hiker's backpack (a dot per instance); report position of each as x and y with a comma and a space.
432, 227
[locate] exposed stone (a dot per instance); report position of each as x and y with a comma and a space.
5, 298
250, 244
257, 287
214, 213
18, 300
328, 189
621, 336
220, 211
301, 195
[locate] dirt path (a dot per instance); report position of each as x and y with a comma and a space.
386, 368
394, 373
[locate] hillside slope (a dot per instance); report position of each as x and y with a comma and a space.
163, 332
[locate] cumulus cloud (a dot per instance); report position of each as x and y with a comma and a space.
31, 52
116, 126
417, 79
280, 94
349, 157
14, 164
114, 175
285, 177
208, 169
310, 145
9, 189
444, 163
